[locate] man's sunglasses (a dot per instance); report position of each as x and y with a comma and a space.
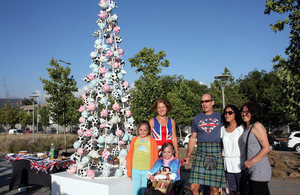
206, 101
229, 112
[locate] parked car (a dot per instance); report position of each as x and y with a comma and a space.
294, 141
186, 140
12, 131
26, 132
274, 143
15, 131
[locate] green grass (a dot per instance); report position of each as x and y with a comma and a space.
16, 143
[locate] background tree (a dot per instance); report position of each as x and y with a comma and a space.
264, 89
45, 115
169, 82
185, 98
28, 101
23, 117
288, 69
149, 86
60, 89
73, 111
10, 112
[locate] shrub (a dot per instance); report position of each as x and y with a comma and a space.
16, 143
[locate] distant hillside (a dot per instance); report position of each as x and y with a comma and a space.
12, 101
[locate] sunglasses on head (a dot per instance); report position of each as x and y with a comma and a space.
229, 112
206, 101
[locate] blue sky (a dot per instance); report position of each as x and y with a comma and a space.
200, 38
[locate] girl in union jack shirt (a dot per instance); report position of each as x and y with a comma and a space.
163, 128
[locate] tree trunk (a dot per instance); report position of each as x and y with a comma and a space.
180, 133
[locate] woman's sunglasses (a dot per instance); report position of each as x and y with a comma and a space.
229, 112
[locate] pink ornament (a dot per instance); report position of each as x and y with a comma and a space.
102, 1
91, 174
109, 53
81, 109
80, 151
117, 29
102, 14
122, 142
116, 107
102, 70
109, 28
115, 59
109, 41
105, 154
115, 65
127, 113
72, 169
91, 106
83, 96
81, 119
121, 51
104, 113
119, 133
80, 132
102, 125
106, 88
91, 76
88, 133
125, 84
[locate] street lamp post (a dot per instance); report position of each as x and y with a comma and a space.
33, 96
65, 138
68, 63
224, 80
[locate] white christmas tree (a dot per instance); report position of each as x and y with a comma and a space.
106, 122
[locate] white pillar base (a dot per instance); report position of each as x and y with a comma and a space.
65, 183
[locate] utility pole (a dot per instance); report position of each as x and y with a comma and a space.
6, 106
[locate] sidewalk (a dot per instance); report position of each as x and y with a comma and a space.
277, 187
284, 188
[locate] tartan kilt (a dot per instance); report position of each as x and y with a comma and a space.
202, 176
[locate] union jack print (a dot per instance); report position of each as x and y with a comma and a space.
208, 124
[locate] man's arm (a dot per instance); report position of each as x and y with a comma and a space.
192, 142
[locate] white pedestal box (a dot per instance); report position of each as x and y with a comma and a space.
69, 184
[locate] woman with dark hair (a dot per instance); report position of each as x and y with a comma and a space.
230, 135
163, 128
258, 148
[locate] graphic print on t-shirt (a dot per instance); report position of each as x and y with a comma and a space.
142, 148
208, 124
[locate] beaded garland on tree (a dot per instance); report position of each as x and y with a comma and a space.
106, 122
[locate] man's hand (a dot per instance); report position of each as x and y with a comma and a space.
185, 160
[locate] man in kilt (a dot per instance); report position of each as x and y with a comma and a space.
208, 166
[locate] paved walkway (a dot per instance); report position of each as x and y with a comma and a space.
284, 188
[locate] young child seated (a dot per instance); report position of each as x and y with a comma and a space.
166, 167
